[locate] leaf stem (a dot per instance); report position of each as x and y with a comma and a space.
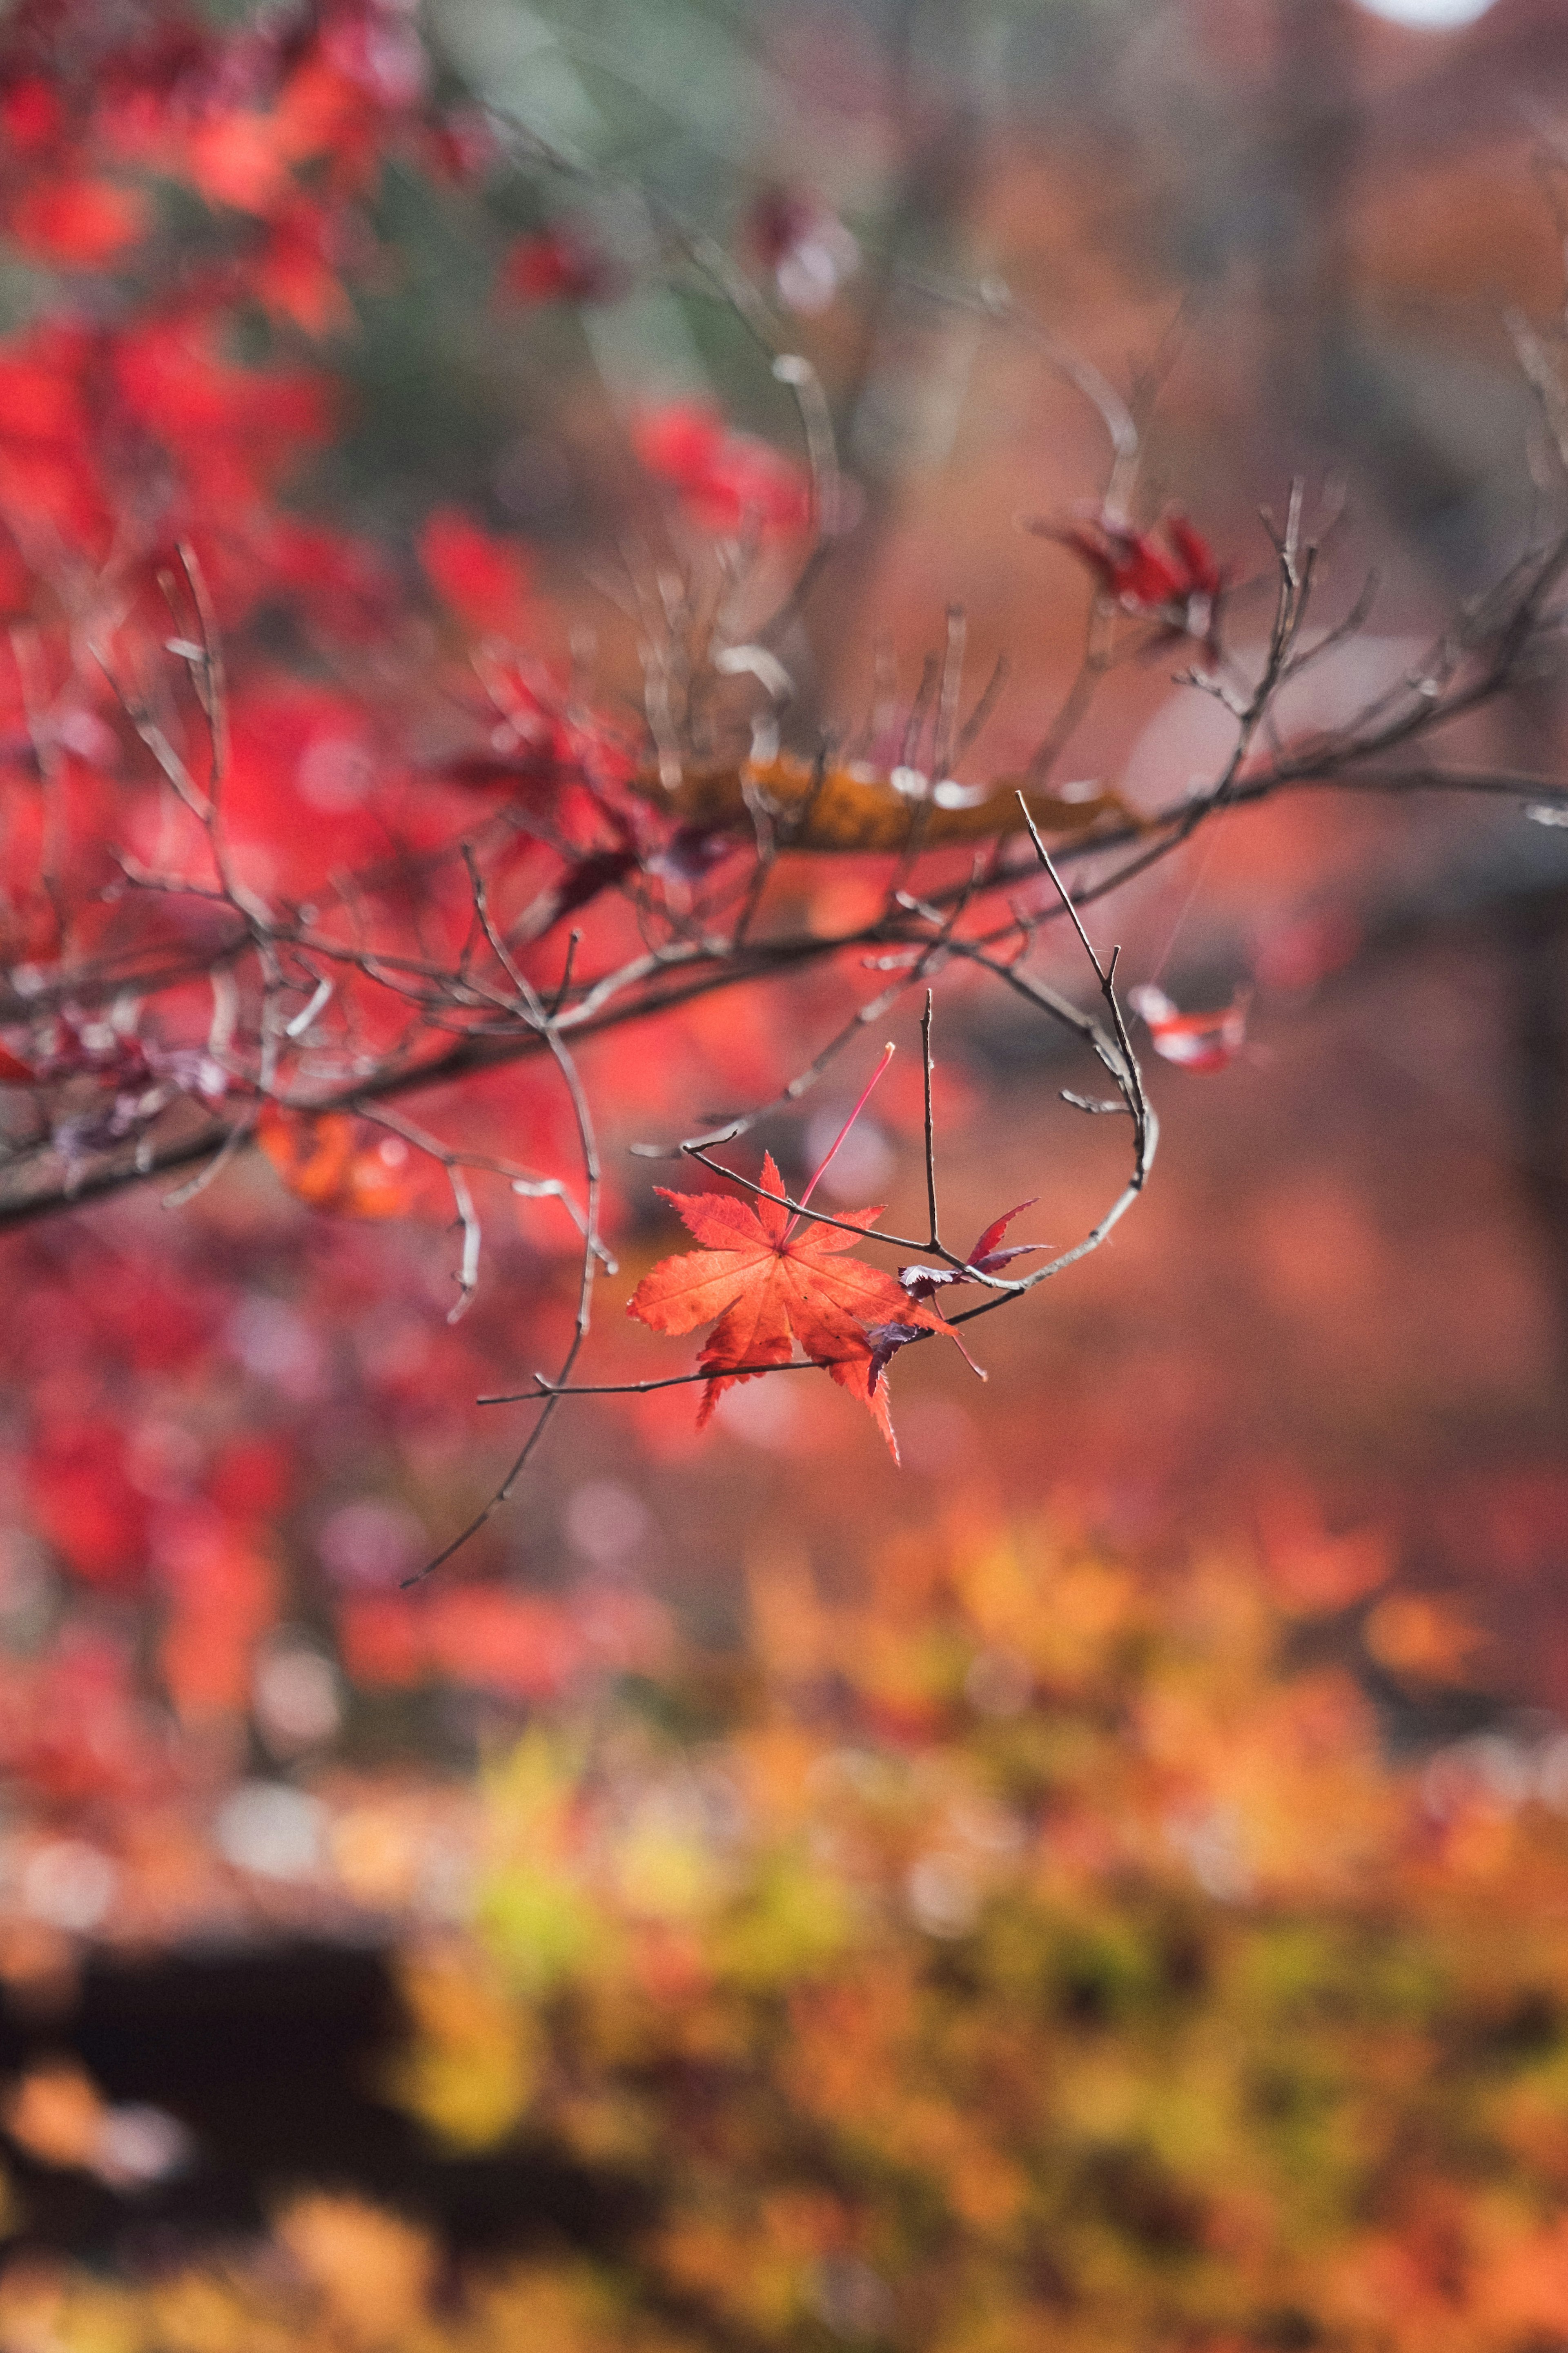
888, 1052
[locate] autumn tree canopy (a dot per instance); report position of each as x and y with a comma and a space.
336, 843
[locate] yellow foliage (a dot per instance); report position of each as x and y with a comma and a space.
372, 2271
470, 2066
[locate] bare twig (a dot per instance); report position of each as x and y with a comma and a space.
935, 1242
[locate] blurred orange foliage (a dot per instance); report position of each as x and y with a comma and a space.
1018, 1950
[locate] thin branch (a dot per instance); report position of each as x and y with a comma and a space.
645, 1389
935, 1242
801, 1209
536, 1014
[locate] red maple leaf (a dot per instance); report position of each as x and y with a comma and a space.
764, 1281
1180, 585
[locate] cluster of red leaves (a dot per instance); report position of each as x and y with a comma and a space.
232, 1427
125, 434
130, 425
52, 206
177, 403
517, 1646
182, 1391
1179, 584
481, 578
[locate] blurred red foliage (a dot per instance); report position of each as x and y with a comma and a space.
727, 481
560, 265
385, 695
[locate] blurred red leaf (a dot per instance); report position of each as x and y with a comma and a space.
484, 579
1196, 1041
296, 277
82, 1499
727, 481
78, 224
69, 1725
559, 265
32, 115
513, 1643
1179, 583
251, 1478
174, 382
223, 1597
236, 159
40, 388
1308, 1568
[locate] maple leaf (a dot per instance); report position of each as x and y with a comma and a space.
988, 1256
764, 1284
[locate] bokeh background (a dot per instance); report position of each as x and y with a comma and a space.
1102, 1883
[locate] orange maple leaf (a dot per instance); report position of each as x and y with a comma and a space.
769, 1285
